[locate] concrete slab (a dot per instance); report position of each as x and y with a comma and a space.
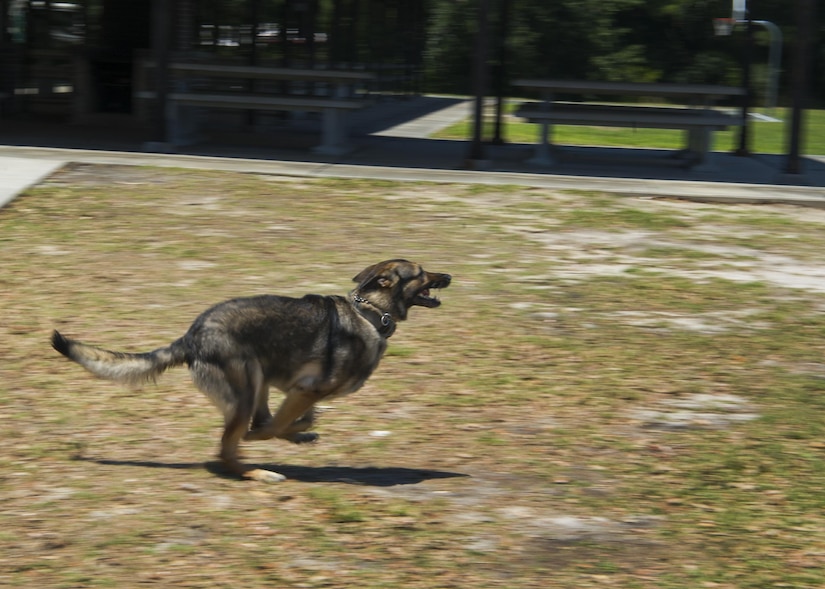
19, 173
430, 123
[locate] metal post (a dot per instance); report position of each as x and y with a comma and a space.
309, 27
254, 17
162, 17
801, 76
4, 22
774, 61
476, 152
744, 130
501, 68
335, 30
285, 53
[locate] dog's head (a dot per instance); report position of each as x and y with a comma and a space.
394, 286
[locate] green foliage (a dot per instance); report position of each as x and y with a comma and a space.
620, 40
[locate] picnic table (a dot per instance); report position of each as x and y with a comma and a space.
196, 85
696, 116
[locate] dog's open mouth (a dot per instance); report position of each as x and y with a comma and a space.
425, 298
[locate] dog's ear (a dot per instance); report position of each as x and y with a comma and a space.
380, 275
365, 274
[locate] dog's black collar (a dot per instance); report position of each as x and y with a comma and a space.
386, 324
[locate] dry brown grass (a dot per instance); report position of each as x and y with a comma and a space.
615, 391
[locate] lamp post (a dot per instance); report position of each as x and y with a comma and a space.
744, 134
724, 27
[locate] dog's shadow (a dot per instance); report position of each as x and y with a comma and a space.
372, 476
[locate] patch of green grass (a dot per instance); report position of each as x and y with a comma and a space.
767, 137
491, 439
675, 252
619, 218
400, 352
340, 510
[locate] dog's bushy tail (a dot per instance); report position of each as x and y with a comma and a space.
119, 366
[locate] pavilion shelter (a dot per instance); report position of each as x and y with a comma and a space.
90, 60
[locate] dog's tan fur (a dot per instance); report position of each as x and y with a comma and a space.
312, 348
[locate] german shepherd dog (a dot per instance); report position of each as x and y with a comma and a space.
312, 348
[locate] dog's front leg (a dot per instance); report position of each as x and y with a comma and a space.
262, 416
293, 417
306, 421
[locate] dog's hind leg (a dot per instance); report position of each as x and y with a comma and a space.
240, 383
233, 433
293, 417
303, 423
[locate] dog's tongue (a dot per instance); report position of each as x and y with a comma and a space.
425, 292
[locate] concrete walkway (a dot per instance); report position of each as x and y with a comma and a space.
393, 145
19, 173
424, 126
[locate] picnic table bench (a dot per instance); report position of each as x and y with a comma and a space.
698, 119
194, 87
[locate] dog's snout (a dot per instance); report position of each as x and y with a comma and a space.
443, 280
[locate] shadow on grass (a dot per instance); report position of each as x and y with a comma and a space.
371, 476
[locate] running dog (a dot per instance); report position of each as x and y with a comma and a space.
313, 348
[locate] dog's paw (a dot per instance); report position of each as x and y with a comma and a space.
260, 423
264, 476
304, 438
302, 424
257, 434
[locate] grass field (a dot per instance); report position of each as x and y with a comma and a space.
768, 137
616, 391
